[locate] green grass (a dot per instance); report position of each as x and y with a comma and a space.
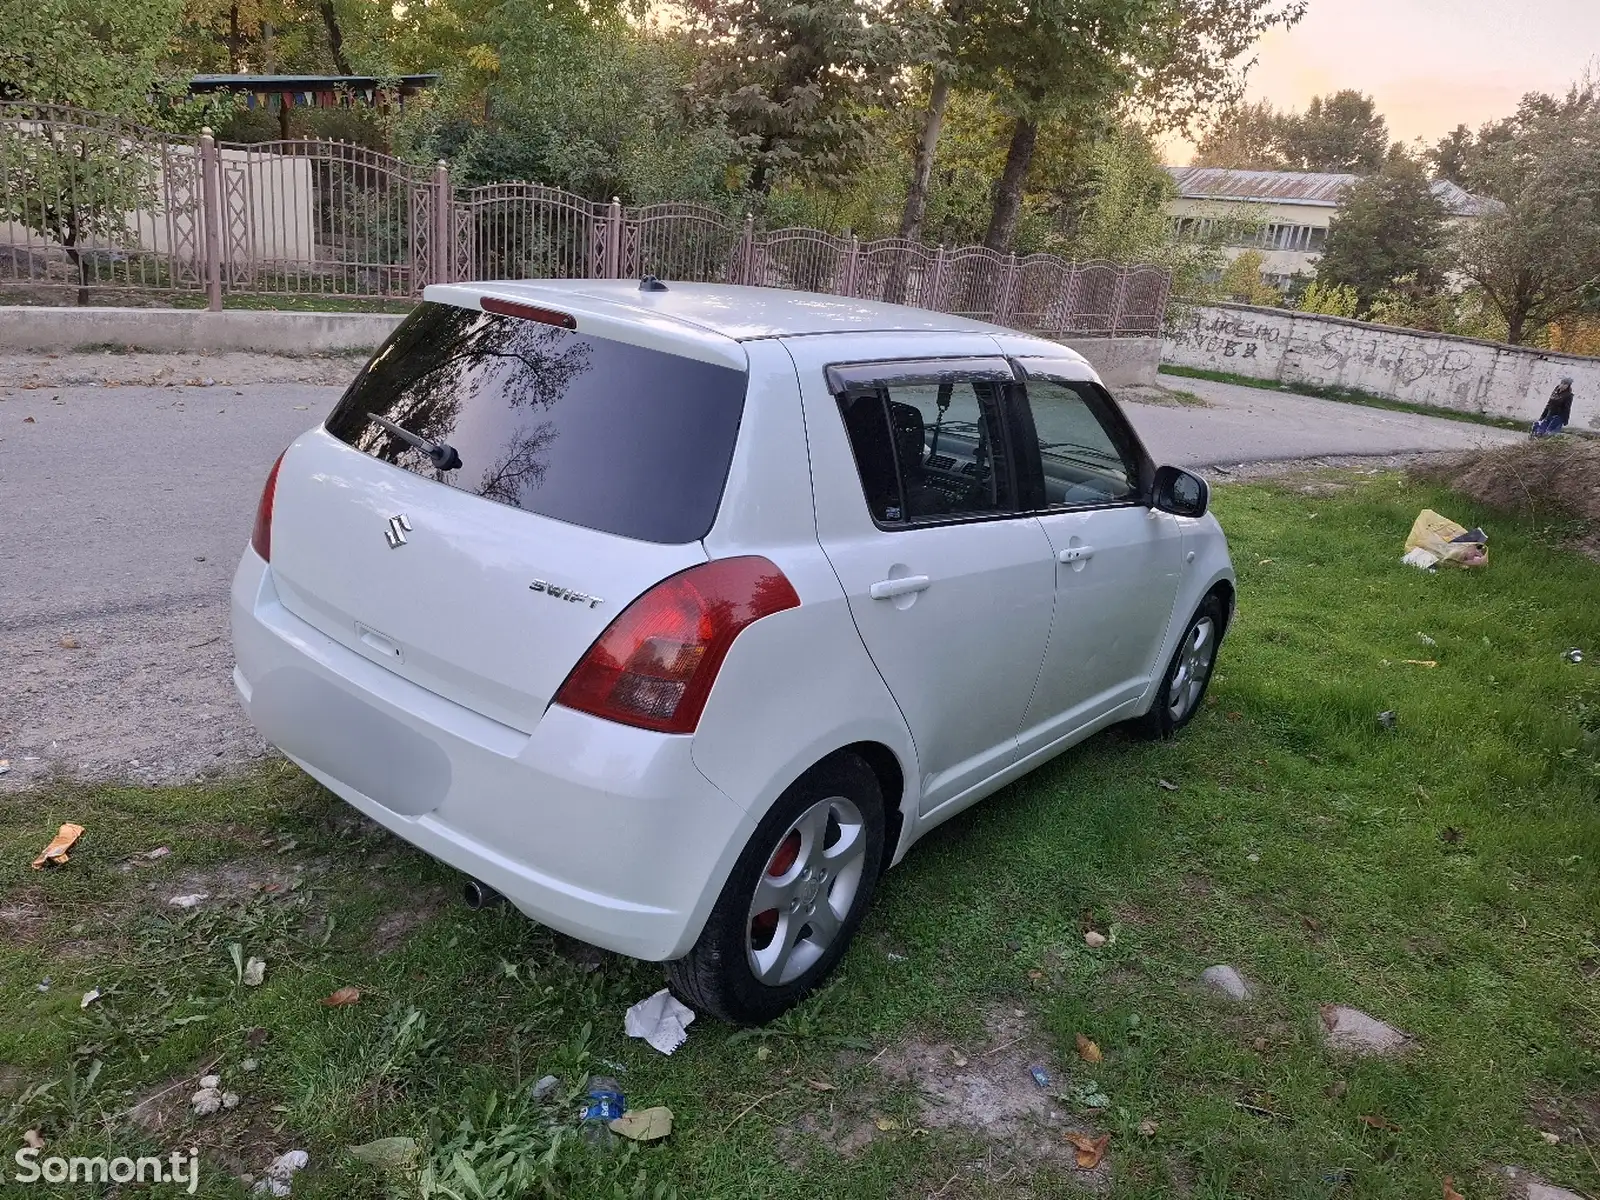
1444, 876
1347, 396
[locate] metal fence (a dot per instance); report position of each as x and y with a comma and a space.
92, 203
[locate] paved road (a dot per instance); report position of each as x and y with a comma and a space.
123, 511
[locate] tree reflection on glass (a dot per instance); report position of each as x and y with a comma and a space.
444, 358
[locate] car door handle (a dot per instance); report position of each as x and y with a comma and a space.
888, 589
1074, 554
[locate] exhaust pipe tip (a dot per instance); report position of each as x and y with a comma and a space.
479, 896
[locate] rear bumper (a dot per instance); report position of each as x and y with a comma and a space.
606, 833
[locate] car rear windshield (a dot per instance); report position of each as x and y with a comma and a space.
586, 430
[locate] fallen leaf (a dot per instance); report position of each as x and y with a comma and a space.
345, 995
1094, 939
1419, 662
644, 1124
885, 1124
1379, 1122
390, 1153
820, 1085
1087, 1050
29, 421
960, 1060
1263, 562
1166, 785
1147, 1128
32, 1139
69, 643
763, 1053
1090, 1150
89, 997
1450, 1192
1260, 1045
1553, 1139
254, 972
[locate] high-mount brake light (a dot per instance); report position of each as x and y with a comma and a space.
528, 312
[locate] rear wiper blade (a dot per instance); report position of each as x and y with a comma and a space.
442, 455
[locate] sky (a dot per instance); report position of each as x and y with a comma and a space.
1430, 64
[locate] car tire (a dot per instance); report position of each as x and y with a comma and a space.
1188, 675
815, 859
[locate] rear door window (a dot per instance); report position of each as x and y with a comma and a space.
598, 433
927, 439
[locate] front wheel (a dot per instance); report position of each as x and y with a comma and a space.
1189, 674
794, 900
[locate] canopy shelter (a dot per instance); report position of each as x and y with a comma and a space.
282, 93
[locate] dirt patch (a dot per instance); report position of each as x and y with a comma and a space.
239, 880
1550, 478
22, 919
240, 1141
1569, 1117
985, 1089
394, 927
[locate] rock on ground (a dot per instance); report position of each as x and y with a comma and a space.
1226, 981
1351, 1029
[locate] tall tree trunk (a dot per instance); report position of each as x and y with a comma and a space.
1008, 199
922, 172
335, 37
269, 52
235, 41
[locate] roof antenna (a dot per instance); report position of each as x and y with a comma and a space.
651, 284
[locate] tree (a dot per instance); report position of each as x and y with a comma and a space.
1449, 156
1389, 227
1243, 137
1537, 256
1341, 132
74, 182
1075, 63
793, 81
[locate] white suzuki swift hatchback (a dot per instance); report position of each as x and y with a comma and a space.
675, 614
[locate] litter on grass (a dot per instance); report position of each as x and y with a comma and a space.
659, 1020
1574, 655
281, 1173
1435, 539
56, 852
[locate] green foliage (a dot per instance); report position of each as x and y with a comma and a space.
1537, 257
1389, 227
1243, 282
793, 82
106, 57
1341, 132
1330, 299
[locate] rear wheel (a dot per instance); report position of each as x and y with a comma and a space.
1189, 673
794, 899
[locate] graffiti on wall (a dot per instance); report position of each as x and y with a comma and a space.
1227, 335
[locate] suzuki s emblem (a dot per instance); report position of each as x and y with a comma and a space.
395, 535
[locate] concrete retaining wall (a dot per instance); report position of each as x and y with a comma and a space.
191, 331
1120, 361
1402, 364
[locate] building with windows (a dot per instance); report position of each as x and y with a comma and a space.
1283, 214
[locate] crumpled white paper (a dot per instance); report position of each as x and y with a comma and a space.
659, 1020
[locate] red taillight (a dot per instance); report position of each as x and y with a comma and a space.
654, 665
261, 535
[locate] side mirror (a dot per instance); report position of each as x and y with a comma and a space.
1180, 492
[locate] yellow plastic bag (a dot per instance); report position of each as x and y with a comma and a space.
1435, 539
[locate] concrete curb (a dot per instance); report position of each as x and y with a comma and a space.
1120, 362
192, 331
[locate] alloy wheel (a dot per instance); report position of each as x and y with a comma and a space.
806, 891
1195, 659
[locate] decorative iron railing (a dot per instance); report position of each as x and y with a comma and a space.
95, 204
